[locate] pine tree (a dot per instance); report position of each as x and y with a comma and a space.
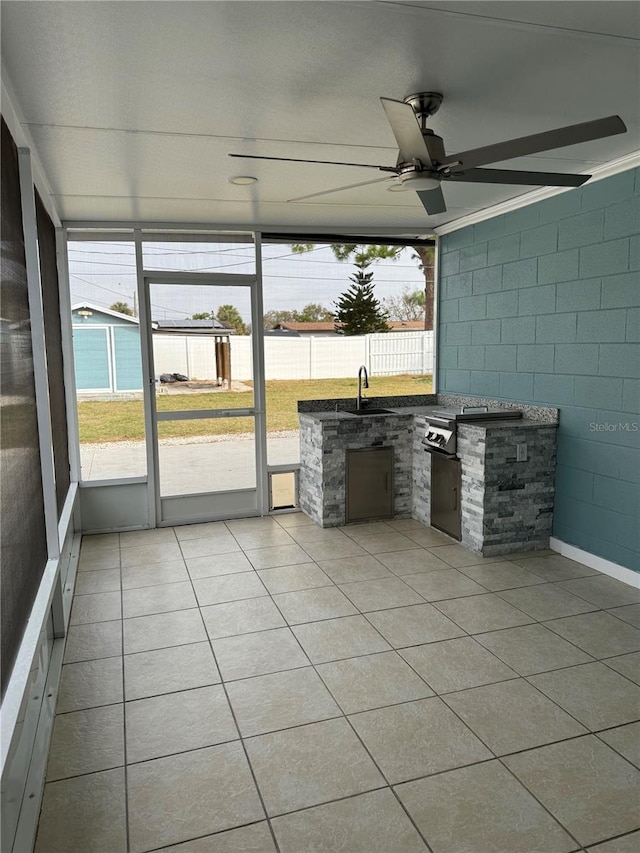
358, 311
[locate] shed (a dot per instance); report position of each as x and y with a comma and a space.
106, 349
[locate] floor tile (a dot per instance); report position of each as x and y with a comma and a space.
280, 700
105, 581
407, 525
628, 665
599, 634
309, 765
554, 567
312, 605
625, 740
412, 562
623, 844
417, 739
169, 670
364, 683
629, 613
155, 536
368, 823
258, 654
293, 519
278, 555
292, 578
243, 525
481, 809
200, 531
480, 613
217, 590
428, 537
521, 556
335, 639
255, 838
603, 591
382, 543
87, 813
413, 625
90, 684
364, 529
504, 575
263, 538
216, 792
512, 716
546, 601
158, 599
532, 648
163, 630
86, 741
241, 617
218, 564
436, 586
313, 533
96, 542
456, 665
97, 607
135, 577
606, 787
593, 694
93, 641
332, 550
348, 569
146, 555
178, 722
457, 556
380, 594
209, 546
99, 560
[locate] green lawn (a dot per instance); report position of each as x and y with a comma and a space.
124, 420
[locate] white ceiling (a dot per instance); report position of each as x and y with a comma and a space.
133, 107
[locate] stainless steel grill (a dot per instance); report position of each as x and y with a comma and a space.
442, 425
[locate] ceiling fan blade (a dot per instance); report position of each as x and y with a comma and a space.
513, 176
327, 162
339, 189
406, 130
433, 201
526, 145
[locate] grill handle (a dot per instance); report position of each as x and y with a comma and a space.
476, 408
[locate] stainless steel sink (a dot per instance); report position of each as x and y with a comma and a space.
372, 411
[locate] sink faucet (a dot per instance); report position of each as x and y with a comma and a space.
362, 370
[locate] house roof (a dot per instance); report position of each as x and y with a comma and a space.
98, 309
193, 326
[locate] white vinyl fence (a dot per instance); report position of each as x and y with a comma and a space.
387, 354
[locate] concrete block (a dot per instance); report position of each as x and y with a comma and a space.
633, 325
581, 295
561, 266
621, 220
485, 332
485, 384
517, 386
518, 330
489, 229
448, 311
504, 249
559, 206
556, 328
458, 285
471, 357
608, 191
457, 333
602, 326
616, 495
523, 219
472, 308
597, 392
539, 241
556, 390
504, 304
520, 274
487, 280
621, 291
583, 230
604, 258
573, 482
473, 257
631, 395
450, 263
619, 360
500, 358
456, 240
457, 381
448, 357
634, 253
577, 359
535, 358
537, 300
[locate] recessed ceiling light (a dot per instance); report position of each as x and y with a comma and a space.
397, 188
418, 182
243, 180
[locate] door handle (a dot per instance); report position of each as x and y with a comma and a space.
455, 497
386, 482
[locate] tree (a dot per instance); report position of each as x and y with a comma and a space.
409, 305
230, 315
311, 313
122, 308
427, 257
358, 311
202, 315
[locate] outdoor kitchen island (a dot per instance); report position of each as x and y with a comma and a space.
507, 466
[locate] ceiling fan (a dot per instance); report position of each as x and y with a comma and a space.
422, 163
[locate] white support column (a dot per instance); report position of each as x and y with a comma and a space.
259, 397
66, 329
36, 314
436, 305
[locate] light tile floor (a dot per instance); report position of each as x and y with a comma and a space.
264, 685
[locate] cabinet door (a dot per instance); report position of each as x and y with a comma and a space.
445, 494
369, 483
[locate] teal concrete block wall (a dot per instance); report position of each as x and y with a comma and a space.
542, 305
